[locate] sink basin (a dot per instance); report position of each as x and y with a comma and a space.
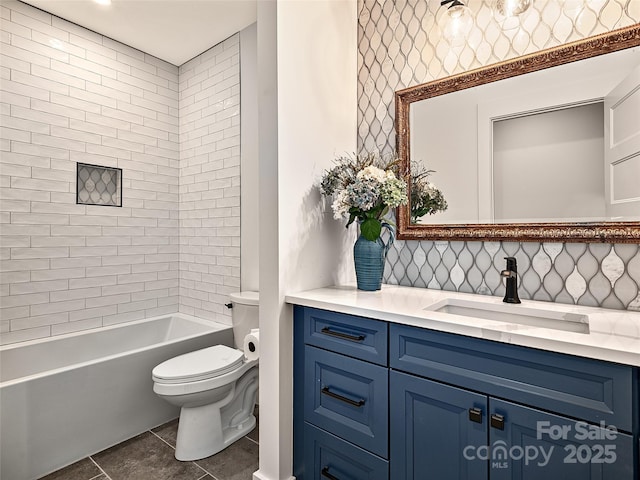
514, 314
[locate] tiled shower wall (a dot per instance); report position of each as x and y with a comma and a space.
210, 181
70, 95
400, 45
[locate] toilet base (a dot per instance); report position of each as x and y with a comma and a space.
208, 429
203, 442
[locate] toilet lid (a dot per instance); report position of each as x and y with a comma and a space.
199, 365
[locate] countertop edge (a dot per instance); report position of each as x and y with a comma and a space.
547, 343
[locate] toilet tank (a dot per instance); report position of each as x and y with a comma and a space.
244, 315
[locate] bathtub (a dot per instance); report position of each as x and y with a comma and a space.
69, 396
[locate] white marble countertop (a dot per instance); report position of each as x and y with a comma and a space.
611, 335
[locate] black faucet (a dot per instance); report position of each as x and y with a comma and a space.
511, 274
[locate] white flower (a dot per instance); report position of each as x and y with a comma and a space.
394, 192
372, 173
340, 205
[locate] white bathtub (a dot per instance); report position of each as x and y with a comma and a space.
66, 397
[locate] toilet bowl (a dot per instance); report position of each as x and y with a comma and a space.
215, 388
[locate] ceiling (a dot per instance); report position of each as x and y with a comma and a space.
173, 30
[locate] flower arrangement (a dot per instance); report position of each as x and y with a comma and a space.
364, 187
426, 198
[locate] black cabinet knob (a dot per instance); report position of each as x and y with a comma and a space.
475, 415
497, 421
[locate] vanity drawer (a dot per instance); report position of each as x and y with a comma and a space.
348, 398
328, 457
578, 387
357, 337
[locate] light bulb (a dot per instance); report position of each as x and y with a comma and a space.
459, 23
512, 8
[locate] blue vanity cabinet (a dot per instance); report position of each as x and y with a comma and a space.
377, 401
443, 432
341, 397
440, 368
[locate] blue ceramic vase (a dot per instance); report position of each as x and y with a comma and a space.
369, 258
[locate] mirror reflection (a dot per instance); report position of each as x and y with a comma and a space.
556, 145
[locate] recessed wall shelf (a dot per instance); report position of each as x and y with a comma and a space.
98, 185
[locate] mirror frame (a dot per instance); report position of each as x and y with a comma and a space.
611, 232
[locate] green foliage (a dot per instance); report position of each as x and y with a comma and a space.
371, 229
426, 198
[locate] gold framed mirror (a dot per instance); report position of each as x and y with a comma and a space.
616, 222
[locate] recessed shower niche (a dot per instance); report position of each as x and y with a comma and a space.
98, 185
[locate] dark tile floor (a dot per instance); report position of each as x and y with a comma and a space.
150, 456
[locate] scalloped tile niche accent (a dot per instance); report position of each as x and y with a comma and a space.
97, 185
400, 45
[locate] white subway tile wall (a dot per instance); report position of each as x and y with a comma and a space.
210, 181
70, 95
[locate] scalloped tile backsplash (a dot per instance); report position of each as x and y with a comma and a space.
400, 45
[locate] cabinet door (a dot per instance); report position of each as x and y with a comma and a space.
433, 429
528, 444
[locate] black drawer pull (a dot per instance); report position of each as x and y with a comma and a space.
325, 473
344, 336
358, 403
475, 415
497, 421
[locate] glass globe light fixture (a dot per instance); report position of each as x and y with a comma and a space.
512, 8
458, 23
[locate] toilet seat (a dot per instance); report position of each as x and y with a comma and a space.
200, 365
186, 387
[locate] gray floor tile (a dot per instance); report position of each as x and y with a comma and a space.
168, 432
85, 469
236, 462
145, 457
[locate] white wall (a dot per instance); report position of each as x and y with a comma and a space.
70, 95
307, 117
249, 201
210, 180
549, 166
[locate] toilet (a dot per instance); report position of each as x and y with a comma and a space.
215, 388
